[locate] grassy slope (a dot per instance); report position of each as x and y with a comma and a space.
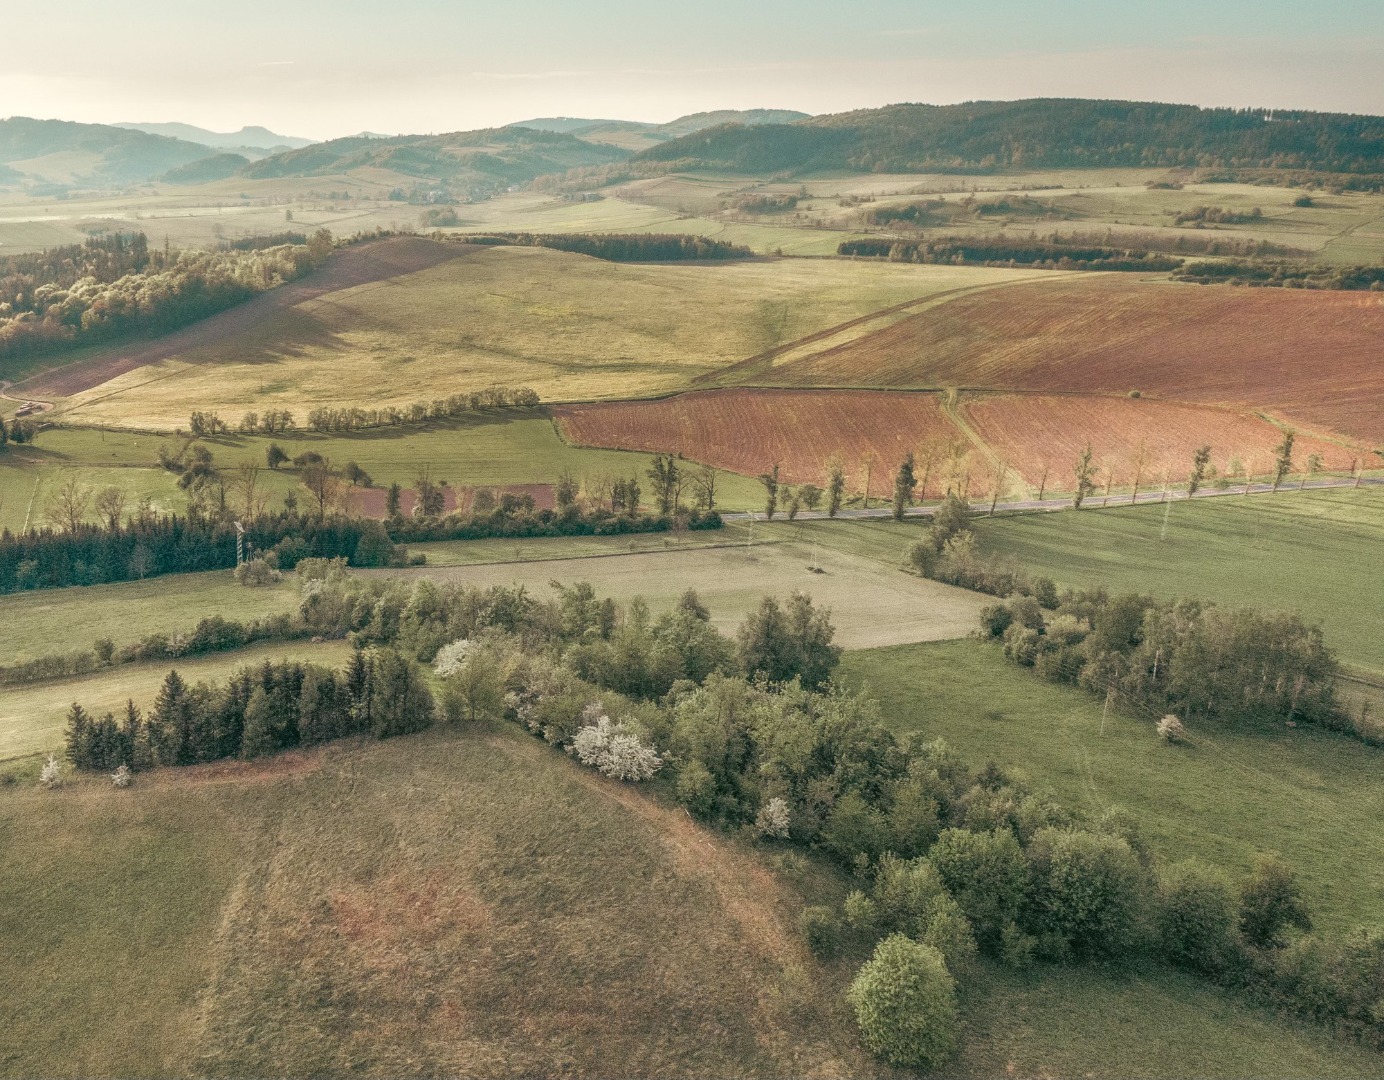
570, 326
1315, 553
1309, 795
450, 926
32, 716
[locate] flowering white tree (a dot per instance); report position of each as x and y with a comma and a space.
451, 658
612, 749
1170, 729
772, 819
50, 776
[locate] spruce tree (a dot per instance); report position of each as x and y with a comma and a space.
399, 702
260, 737
78, 737
169, 723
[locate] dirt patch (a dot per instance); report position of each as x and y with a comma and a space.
362, 264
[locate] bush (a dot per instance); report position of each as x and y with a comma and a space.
1087, 892
772, 820
256, 572
986, 874
904, 1001
1271, 903
613, 750
50, 776
821, 929
1196, 919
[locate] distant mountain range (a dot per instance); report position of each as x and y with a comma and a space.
247, 138
986, 136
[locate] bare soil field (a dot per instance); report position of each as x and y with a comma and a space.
359, 265
1034, 433
872, 604
1316, 358
751, 430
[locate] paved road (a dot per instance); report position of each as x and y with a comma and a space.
1066, 503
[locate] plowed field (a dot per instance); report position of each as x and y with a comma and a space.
1314, 357
749, 431
1037, 432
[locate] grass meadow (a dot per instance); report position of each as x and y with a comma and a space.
1312, 552
1310, 795
447, 904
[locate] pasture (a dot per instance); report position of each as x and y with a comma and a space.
479, 905
1307, 794
572, 327
1310, 552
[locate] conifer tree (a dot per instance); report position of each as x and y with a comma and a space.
399, 702
904, 482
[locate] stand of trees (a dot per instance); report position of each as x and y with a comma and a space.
621, 247
1282, 275
326, 418
116, 285
1002, 250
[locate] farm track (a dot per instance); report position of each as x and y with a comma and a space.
363, 264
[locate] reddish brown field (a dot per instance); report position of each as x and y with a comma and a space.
1316, 358
1034, 432
749, 431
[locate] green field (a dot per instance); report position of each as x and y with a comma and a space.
33, 716
64, 620
1316, 553
572, 327
1312, 796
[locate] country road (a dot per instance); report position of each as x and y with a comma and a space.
1095, 502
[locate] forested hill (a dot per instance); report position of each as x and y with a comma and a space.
1038, 133
88, 153
473, 162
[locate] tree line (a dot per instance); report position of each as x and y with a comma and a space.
1001, 250
621, 247
1283, 275
116, 285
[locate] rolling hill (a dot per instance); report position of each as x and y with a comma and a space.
254, 138
604, 130
473, 162
62, 152
1039, 133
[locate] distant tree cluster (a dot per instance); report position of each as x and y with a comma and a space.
622, 247
1283, 275
758, 202
115, 285
328, 418
1216, 215
1001, 250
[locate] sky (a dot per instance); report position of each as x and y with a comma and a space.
325, 68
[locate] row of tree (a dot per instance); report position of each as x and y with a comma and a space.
1001, 250
1283, 275
622, 247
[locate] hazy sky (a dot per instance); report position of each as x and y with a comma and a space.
322, 68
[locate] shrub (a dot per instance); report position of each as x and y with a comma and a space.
904, 1001
1087, 892
1271, 903
985, 873
613, 750
772, 820
821, 928
1171, 730
122, 777
256, 572
1196, 918
995, 619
